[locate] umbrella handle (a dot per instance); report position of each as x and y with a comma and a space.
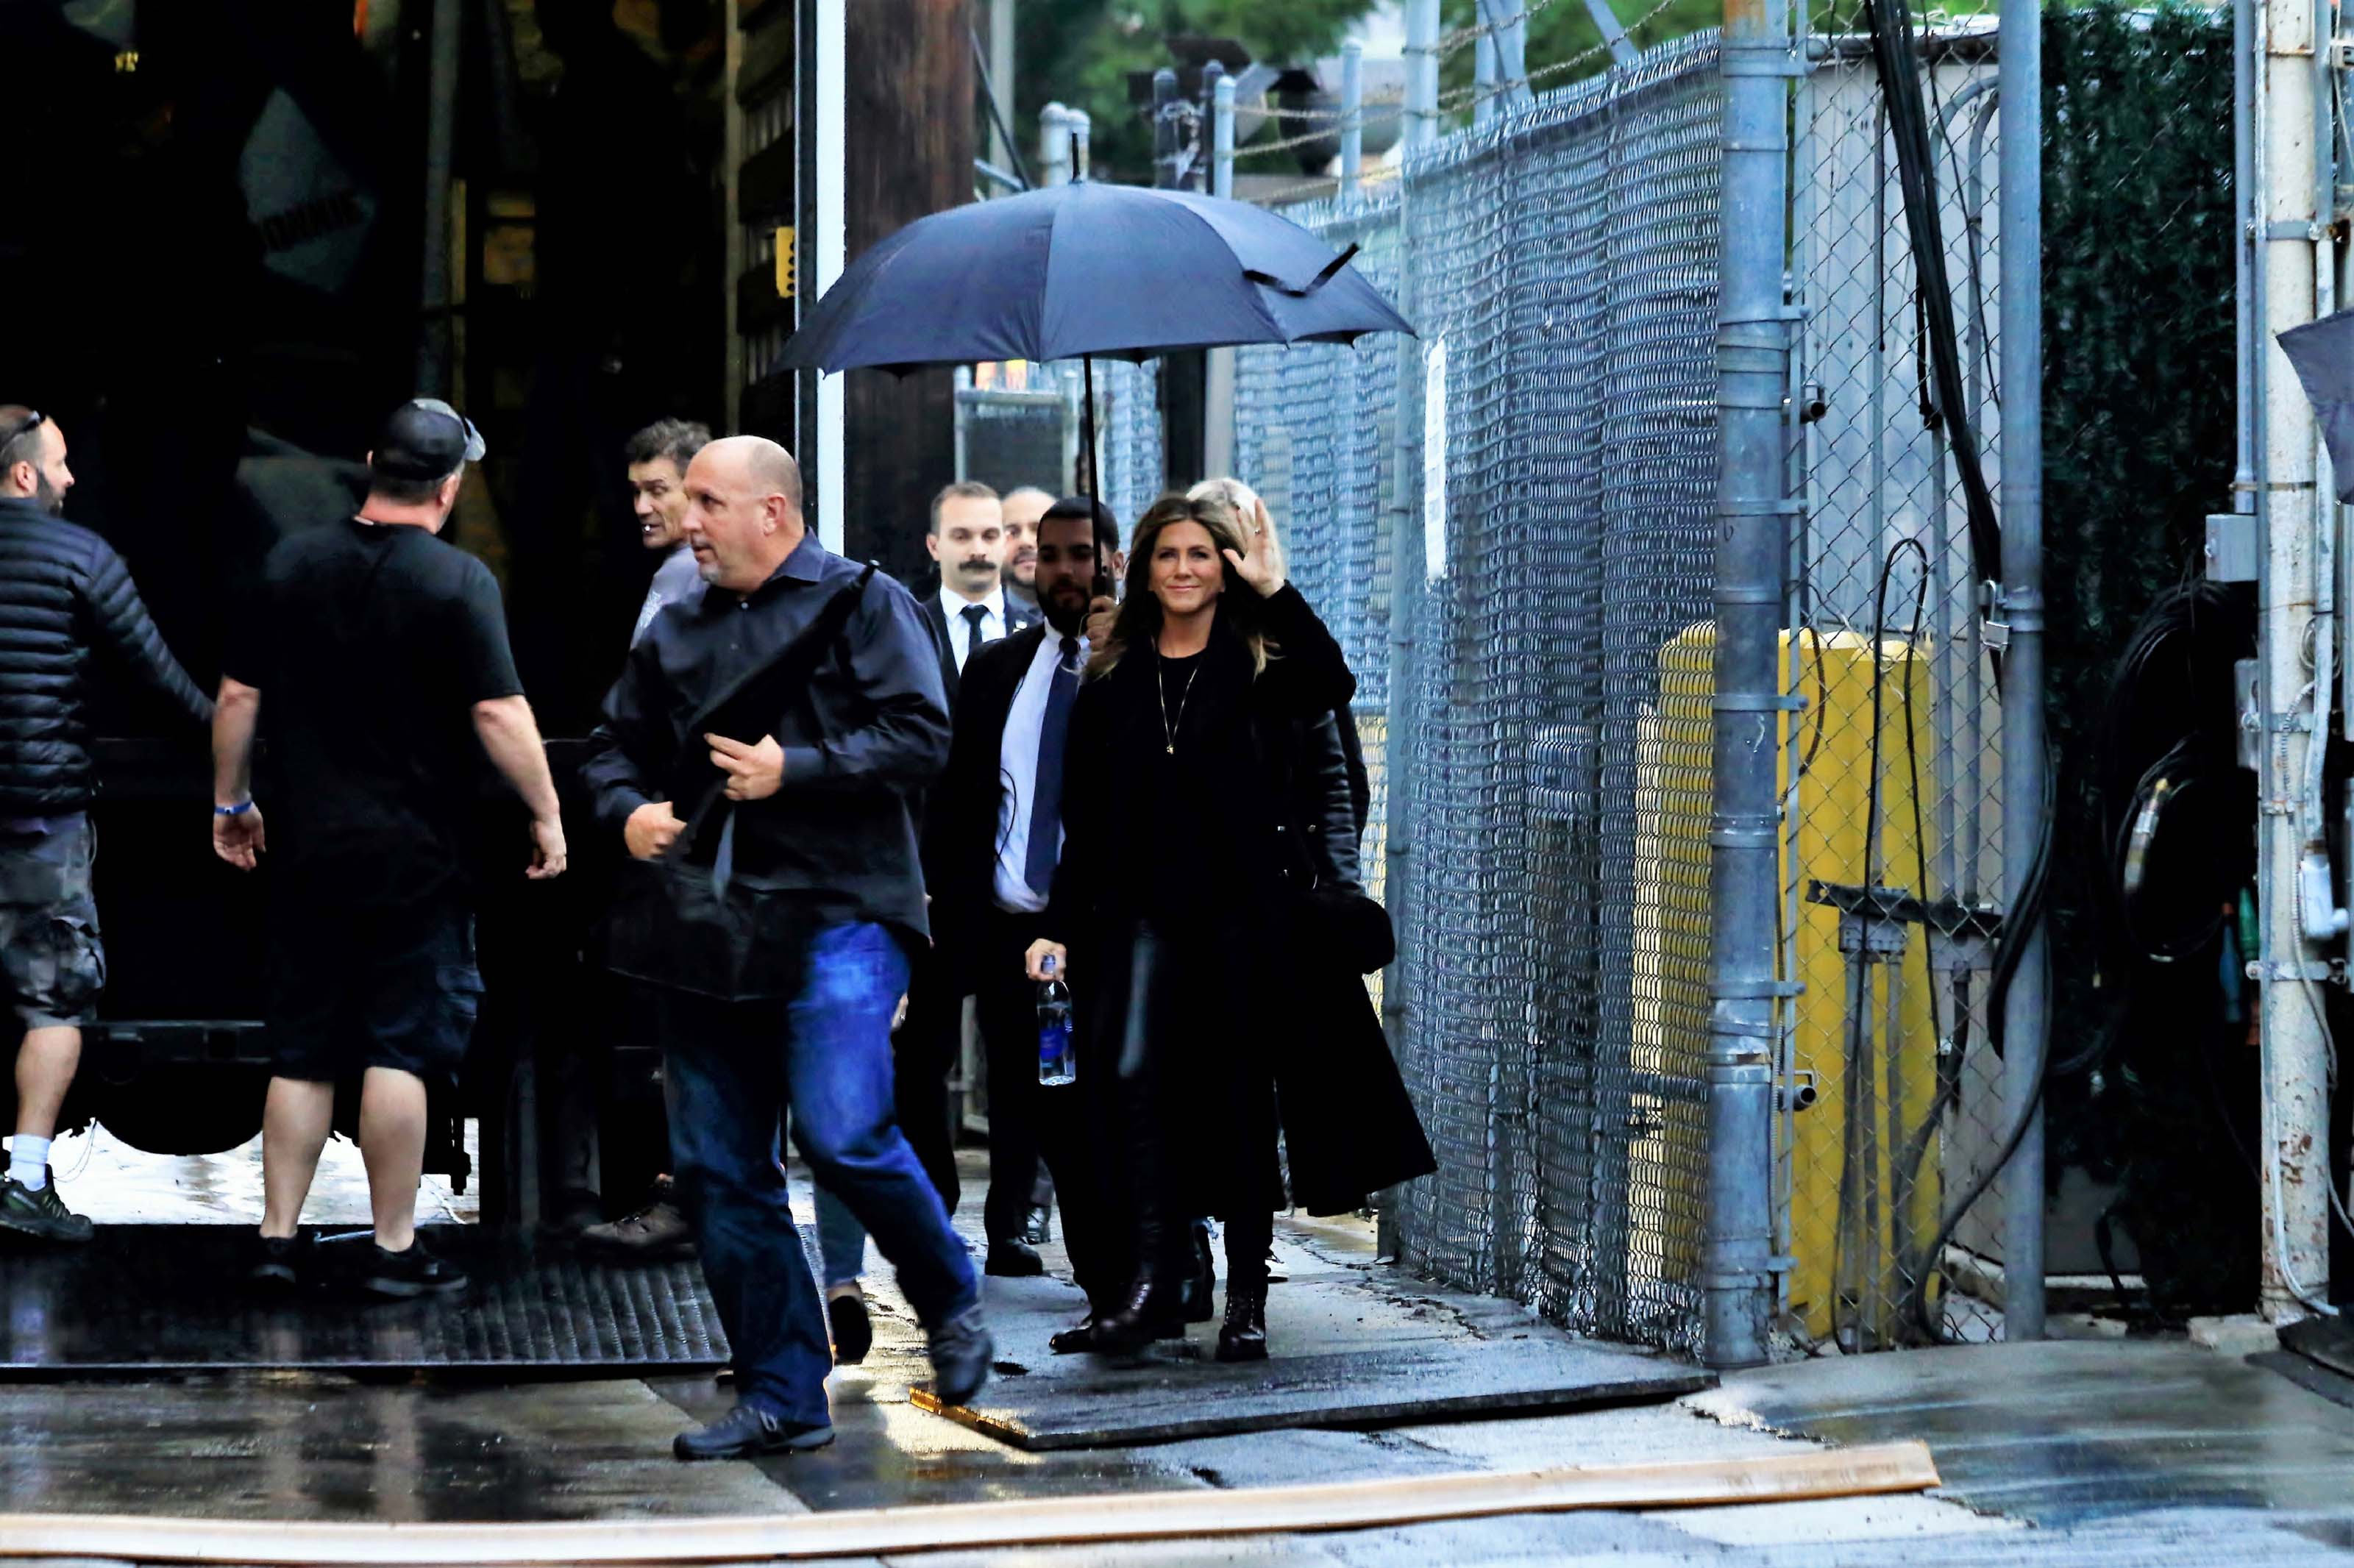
1318, 281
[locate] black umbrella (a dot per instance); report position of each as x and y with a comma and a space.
2323, 354
1078, 270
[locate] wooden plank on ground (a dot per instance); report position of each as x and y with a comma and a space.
1796, 1475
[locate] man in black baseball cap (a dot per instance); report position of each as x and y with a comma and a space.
425, 441
383, 653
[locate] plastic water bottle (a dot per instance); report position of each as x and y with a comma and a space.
1055, 1063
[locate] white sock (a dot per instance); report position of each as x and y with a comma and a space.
29, 1161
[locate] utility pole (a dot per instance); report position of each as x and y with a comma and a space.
2293, 263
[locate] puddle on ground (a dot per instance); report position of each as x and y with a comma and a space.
115, 1185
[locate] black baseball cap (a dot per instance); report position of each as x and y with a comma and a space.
425, 439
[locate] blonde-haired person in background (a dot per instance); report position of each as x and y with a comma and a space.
1250, 510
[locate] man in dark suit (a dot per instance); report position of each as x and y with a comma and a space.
967, 611
992, 843
972, 608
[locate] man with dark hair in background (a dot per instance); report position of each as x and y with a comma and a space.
657, 459
59, 583
384, 651
992, 843
658, 456
1021, 508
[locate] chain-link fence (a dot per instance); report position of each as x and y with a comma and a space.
1891, 859
1563, 446
1560, 451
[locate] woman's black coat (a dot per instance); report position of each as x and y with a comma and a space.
1296, 1016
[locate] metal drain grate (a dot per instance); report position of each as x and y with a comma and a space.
173, 1297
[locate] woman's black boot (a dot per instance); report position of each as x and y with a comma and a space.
1151, 1307
1201, 1294
1244, 1336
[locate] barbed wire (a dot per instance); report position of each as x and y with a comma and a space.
1456, 99
1454, 42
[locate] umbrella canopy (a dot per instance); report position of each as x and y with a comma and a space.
1082, 271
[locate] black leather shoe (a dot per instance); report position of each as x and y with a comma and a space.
1150, 1310
853, 1331
407, 1274
1200, 1293
1014, 1260
746, 1434
1244, 1336
961, 1353
282, 1263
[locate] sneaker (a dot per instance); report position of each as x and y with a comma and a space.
402, 1275
853, 1331
282, 1263
961, 1352
746, 1433
42, 1215
655, 1234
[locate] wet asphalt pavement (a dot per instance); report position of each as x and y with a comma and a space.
2096, 1453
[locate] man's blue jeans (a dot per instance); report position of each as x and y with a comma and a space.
733, 1069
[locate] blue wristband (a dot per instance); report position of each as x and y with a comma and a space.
240, 810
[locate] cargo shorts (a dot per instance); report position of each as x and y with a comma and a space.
49, 948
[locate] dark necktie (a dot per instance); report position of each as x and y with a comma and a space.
974, 614
1046, 793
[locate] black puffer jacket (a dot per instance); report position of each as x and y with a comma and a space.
65, 595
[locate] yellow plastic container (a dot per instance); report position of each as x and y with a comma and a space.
1892, 1200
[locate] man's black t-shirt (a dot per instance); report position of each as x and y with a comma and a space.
370, 644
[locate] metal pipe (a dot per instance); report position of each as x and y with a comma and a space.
1605, 20
1009, 153
1353, 118
1168, 155
2019, 330
1055, 145
2295, 1066
1737, 1263
1200, 175
1421, 80
831, 25
1483, 78
1000, 84
441, 157
1406, 561
1083, 126
2244, 216
1218, 388
1222, 137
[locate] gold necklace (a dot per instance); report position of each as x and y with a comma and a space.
1161, 681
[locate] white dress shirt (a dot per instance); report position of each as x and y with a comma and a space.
1017, 764
992, 625
674, 579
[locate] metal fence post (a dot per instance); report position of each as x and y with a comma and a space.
1083, 126
1353, 118
2027, 1020
1218, 395
1744, 881
1402, 727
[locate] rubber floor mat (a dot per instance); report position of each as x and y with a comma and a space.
167, 1297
